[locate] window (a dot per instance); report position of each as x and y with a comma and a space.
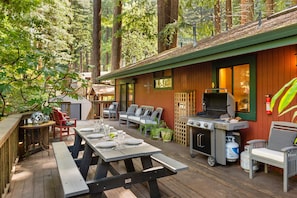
126, 93
163, 79
238, 76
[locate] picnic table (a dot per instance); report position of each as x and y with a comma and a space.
103, 158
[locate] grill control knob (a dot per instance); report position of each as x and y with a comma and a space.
197, 123
191, 122
205, 125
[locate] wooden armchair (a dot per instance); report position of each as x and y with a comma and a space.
63, 123
278, 151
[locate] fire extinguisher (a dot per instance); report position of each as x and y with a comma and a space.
268, 108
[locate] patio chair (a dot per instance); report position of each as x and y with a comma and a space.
279, 150
123, 115
111, 111
63, 124
153, 119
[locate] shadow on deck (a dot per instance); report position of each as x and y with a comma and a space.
37, 176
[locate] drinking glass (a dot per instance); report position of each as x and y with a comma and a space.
121, 138
106, 131
97, 126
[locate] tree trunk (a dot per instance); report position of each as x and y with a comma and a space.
96, 39
167, 13
217, 17
116, 38
269, 7
228, 14
107, 54
247, 11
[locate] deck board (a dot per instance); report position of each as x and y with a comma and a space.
37, 176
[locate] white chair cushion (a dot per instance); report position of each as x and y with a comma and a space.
123, 116
148, 122
134, 118
111, 107
268, 153
138, 112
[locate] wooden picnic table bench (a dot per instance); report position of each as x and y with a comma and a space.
103, 158
72, 181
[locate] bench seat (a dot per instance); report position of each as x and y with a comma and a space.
169, 163
143, 110
71, 179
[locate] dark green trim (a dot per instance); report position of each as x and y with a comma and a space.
252, 61
277, 38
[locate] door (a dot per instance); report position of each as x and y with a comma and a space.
126, 95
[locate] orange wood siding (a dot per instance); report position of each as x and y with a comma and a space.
274, 68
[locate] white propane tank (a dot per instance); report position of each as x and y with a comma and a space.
232, 149
244, 160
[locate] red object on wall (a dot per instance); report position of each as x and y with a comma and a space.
268, 107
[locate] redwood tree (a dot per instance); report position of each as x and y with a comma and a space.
217, 17
229, 14
96, 38
167, 13
247, 11
116, 36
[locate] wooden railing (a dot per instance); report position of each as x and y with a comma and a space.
9, 144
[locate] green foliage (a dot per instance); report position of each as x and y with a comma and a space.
139, 31
286, 95
35, 58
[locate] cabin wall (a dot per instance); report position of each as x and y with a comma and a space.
275, 67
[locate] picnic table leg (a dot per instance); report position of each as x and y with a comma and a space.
129, 165
101, 172
76, 146
86, 161
153, 185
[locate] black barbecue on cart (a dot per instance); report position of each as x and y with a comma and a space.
209, 128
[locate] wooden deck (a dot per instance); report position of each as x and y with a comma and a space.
37, 177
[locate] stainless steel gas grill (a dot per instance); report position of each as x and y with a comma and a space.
208, 130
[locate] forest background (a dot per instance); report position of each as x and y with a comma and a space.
46, 44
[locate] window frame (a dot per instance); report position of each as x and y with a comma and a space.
252, 61
165, 74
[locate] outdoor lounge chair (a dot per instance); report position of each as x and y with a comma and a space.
153, 119
279, 151
123, 115
63, 123
111, 111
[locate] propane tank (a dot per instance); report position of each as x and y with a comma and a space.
244, 160
232, 149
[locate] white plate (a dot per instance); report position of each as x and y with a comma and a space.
108, 144
133, 141
95, 136
86, 130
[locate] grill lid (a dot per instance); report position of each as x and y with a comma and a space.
217, 103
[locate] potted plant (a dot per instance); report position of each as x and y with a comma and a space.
155, 129
166, 134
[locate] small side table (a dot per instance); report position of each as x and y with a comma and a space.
42, 133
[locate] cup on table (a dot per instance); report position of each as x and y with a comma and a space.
97, 126
106, 131
121, 138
